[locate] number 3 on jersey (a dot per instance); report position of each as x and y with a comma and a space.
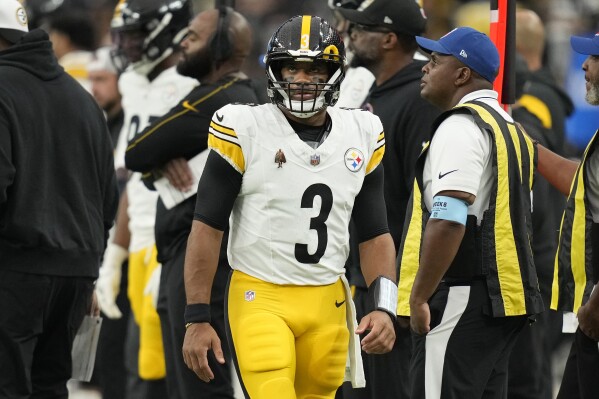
317, 223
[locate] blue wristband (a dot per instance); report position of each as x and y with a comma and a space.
449, 208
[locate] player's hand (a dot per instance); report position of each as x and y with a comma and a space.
179, 174
420, 318
588, 321
109, 280
381, 337
199, 339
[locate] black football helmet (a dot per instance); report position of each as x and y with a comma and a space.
349, 4
159, 26
300, 39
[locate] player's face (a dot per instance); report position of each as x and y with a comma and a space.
436, 85
365, 43
131, 44
196, 56
591, 76
301, 74
105, 89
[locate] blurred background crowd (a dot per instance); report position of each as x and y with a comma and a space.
79, 26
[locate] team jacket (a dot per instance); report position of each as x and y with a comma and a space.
58, 193
498, 250
289, 224
575, 271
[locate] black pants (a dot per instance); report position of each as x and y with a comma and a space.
386, 375
136, 387
465, 354
581, 376
39, 317
529, 369
109, 371
182, 383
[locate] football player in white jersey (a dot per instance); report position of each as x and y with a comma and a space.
289, 174
147, 34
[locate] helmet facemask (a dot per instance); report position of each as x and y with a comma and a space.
304, 39
322, 94
162, 29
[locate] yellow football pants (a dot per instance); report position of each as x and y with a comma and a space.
151, 351
288, 341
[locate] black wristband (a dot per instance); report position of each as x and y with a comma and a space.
197, 313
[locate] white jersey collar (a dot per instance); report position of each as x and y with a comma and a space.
475, 95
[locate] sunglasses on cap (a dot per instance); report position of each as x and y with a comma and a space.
356, 27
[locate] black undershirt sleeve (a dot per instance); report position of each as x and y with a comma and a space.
220, 182
370, 213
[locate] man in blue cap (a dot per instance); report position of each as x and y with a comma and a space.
465, 254
577, 266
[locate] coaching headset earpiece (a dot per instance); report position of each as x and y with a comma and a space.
220, 44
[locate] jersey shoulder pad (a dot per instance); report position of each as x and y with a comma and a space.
224, 135
372, 129
369, 123
248, 104
229, 116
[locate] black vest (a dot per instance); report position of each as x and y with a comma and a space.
499, 250
577, 260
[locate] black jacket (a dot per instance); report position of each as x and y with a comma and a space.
407, 119
543, 86
58, 194
182, 133
548, 207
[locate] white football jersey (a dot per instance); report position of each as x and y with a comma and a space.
355, 87
289, 223
143, 102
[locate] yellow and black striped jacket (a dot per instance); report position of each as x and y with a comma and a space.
500, 248
573, 276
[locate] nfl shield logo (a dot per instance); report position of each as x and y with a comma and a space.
314, 159
250, 296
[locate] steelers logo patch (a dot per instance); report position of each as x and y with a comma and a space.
354, 159
21, 16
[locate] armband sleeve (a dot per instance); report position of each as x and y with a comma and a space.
449, 208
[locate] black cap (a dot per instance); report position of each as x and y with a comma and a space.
400, 16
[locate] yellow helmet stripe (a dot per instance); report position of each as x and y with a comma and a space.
305, 37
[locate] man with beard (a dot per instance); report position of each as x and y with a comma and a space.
576, 268
382, 39
213, 52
